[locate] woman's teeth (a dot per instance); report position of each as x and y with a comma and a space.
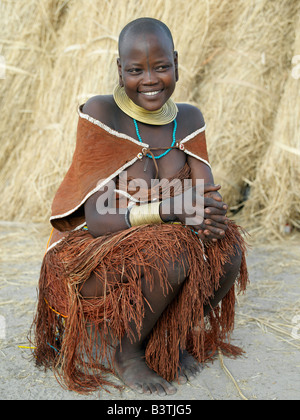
151, 93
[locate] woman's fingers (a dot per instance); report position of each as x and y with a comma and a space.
216, 232
211, 187
223, 224
207, 235
213, 211
212, 203
214, 194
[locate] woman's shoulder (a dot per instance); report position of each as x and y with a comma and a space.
101, 108
190, 116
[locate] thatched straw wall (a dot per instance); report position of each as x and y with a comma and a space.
275, 197
235, 64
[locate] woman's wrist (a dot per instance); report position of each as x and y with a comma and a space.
153, 212
166, 210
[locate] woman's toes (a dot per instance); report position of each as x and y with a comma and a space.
182, 379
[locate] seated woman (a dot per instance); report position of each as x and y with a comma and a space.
139, 258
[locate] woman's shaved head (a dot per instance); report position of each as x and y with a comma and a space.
142, 26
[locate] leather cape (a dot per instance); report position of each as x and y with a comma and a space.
101, 154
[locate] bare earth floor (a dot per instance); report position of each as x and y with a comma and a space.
267, 328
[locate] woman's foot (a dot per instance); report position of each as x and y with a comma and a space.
189, 368
131, 368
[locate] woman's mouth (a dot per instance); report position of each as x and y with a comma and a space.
152, 93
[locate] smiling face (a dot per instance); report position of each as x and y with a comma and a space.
148, 68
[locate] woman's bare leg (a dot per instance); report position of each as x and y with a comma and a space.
129, 357
129, 360
189, 367
231, 271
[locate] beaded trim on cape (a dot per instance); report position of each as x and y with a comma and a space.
165, 115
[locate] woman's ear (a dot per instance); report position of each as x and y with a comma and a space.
176, 65
120, 72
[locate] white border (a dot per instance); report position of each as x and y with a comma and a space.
197, 157
125, 136
110, 130
57, 242
99, 186
53, 245
194, 134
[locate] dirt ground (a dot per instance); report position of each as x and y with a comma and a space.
267, 328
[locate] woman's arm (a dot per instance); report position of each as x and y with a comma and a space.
215, 220
101, 218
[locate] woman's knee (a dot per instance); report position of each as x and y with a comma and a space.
232, 268
236, 260
177, 270
92, 287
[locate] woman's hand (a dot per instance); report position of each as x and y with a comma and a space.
204, 213
189, 207
215, 221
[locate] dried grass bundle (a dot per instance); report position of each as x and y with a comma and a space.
275, 197
240, 89
28, 33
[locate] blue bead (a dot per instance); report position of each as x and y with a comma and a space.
167, 151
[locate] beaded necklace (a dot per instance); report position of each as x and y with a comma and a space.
168, 150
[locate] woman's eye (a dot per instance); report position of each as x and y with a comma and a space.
134, 71
162, 68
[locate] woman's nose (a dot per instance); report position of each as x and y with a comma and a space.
150, 77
